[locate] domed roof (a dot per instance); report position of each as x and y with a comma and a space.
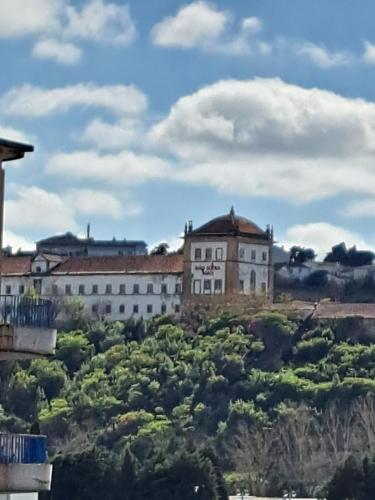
231, 225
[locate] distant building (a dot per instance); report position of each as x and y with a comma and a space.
69, 244
226, 261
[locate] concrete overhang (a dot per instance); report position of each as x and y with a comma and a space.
25, 478
23, 342
12, 150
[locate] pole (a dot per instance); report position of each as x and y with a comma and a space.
2, 184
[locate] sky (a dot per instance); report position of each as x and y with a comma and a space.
147, 113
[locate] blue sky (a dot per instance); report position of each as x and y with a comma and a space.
145, 114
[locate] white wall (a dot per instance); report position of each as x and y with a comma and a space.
213, 269
171, 299
20, 496
253, 258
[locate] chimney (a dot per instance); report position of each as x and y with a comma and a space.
88, 231
190, 226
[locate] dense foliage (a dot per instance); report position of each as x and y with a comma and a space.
162, 400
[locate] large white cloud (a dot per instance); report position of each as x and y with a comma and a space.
321, 236
265, 137
62, 52
100, 21
17, 242
36, 207
321, 56
117, 168
112, 136
33, 206
200, 25
30, 102
20, 18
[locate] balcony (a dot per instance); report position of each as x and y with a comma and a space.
23, 464
26, 328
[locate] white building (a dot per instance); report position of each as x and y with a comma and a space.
228, 258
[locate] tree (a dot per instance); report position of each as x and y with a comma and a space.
73, 349
299, 255
351, 257
160, 249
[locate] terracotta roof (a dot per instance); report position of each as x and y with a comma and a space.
141, 264
332, 311
231, 224
53, 258
15, 265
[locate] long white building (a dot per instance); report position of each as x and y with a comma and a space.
227, 260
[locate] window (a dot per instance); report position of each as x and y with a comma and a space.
219, 254
121, 309
242, 286
178, 288
38, 286
264, 256
8, 290
94, 308
135, 308
264, 287
149, 308
208, 253
136, 289
253, 280
197, 287
38, 269
207, 286
55, 290
198, 254
108, 308
163, 288
218, 286
163, 308
177, 308
68, 289
122, 289
81, 290
242, 253
253, 255
108, 289
94, 289
150, 288
21, 289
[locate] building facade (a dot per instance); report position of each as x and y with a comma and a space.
69, 244
226, 261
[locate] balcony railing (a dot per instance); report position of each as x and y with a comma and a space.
25, 311
23, 449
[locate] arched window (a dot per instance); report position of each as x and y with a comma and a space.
253, 281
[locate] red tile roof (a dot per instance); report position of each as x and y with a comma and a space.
15, 265
230, 224
160, 264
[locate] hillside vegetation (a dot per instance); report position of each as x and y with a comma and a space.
266, 401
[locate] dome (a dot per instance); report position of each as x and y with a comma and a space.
231, 225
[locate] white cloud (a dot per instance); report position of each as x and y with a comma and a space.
360, 208
31, 102
369, 53
193, 25
93, 202
61, 52
17, 242
19, 18
120, 168
321, 56
109, 136
321, 236
102, 22
35, 207
201, 25
265, 137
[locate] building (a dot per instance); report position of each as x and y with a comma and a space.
26, 332
226, 261
69, 244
